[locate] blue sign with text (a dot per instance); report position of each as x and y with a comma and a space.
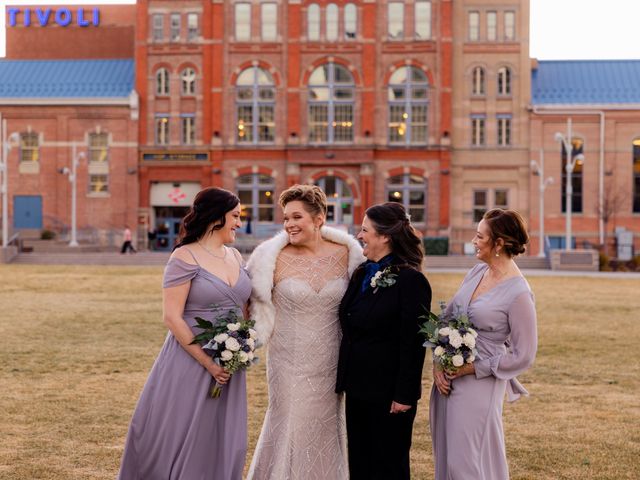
61, 16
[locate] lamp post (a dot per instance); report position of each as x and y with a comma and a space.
543, 183
4, 169
569, 166
73, 179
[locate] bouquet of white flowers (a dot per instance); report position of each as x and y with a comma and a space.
230, 340
452, 337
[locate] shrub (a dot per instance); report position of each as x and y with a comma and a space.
436, 245
47, 234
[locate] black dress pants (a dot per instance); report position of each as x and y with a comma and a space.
378, 441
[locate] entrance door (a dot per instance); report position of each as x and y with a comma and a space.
27, 211
168, 226
339, 200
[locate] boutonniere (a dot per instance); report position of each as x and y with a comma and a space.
383, 279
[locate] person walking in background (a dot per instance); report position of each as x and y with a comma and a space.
126, 244
177, 431
381, 354
466, 405
298, 278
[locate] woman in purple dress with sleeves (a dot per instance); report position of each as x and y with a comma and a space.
177, 431
466, 406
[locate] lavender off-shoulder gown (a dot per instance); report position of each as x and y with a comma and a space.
177, 431
466, 426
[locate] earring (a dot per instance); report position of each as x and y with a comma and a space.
497, 254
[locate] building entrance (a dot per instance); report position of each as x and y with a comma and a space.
167, 226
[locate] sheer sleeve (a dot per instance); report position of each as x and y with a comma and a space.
178, 272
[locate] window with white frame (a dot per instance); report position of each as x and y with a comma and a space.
193, 30
98, 147
350, 21
158, 27
339, 200
188, 81
188, 136
255, 106
577, 147
474, 26
492, 26
269, 21
480, 204
29, 147
395, 20
98, 183
422, 20
313, 22
504, 81
243, 21
477, 79
162, 129
477, 130
636, 175
331, 18
162, 82
408, 97
256, 192
331, 104
504, 130
509, 26
411, 191
175, 27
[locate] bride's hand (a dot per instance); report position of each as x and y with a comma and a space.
466, 369
442, 384
220, 374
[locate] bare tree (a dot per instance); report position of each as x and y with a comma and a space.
614, 199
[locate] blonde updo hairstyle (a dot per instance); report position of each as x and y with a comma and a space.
312, 197
510, 227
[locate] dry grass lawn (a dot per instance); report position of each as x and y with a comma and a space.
76, 344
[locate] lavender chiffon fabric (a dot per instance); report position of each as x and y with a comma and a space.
177, 430
466, 426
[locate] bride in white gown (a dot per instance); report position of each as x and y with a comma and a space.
298, 279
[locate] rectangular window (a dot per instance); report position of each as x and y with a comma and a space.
419, 123
477, 131
175, 27
343, 123
269, 16
98, 183
245, 124
509, 26
636, 176
158, 28
396, 20
501, 199
192, 26
492, 26
29, 147
474, 26
318, 123
480, 204
266, 123
423, 20
162, 130
98, 148
576, 177
188, 130
504, 131
243, 21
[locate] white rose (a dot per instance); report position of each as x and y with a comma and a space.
439, 351
457, 360
455, 340
375, 278
252, 333
232, 344
445, 332
243, 357
471, 359
251, 342
233, 327
469, 340
473, 332
250, 355
221, 338
226, 355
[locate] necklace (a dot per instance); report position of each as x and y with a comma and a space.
213, 254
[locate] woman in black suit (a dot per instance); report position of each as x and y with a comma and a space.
381, 354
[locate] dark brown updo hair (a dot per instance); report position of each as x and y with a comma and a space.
391, 219
207, 212
510, 227
311, 196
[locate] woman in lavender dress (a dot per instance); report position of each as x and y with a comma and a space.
466, 406
178, 431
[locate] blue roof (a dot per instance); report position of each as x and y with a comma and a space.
66, 78
583, 82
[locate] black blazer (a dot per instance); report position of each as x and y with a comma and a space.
381, 353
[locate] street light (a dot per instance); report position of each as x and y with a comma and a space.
73, 179
543, 183
4, 169
568, 167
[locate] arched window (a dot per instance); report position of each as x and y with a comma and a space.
576, 176
332, 22
313, 22
477, 81
504, 81
162, 81
255, 106
188, 78
331, 104
408, 106
350, 21
339, 200
411, 191
256, 192
636, 175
